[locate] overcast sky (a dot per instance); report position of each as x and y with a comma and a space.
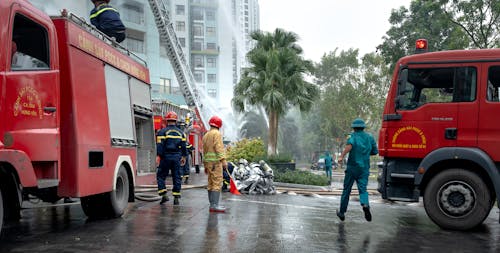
324, 25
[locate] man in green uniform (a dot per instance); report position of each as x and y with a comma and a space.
360, 146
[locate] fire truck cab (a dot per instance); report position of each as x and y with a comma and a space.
440, 136
75, 114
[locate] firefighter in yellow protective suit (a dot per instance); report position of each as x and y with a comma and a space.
214, 162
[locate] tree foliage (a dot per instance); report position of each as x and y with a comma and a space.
446, 24
275, 79
351, 87
479, 19
424, 19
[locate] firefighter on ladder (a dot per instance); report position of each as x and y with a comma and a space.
170, 157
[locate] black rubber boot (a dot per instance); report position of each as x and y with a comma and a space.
186, 180
176, 200
368, 214
164, 198
341, 216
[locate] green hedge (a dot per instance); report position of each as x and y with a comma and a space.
300, 177
250, 149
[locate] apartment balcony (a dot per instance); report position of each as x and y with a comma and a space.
204, 3
205, 51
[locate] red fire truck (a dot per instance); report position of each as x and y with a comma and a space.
75, 114
440, 137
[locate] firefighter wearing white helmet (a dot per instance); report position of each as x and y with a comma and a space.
214, 162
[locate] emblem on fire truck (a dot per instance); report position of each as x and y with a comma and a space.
409, 137
28, 103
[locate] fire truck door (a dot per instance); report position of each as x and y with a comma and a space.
489, 123
428, 111
32, 91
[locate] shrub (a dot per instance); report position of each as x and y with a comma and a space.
250, 149
300, 177
279, 158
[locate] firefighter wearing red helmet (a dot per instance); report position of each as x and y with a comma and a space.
170, 157
107, 19
214, 162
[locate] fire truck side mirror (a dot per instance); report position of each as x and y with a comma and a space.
402, 80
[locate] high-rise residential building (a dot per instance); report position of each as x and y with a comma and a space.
214, 35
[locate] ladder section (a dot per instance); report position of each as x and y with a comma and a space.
182, 71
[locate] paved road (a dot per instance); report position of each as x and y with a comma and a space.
258, 223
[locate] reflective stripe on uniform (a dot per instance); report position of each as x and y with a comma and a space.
101, 11
159, 139
176, 193
160, 192
179, 136
213, 157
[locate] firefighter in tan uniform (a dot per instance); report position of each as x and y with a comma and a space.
214, 162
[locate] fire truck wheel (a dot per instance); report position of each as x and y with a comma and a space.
119, 197
457, 199
111, 204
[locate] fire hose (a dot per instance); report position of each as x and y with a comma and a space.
143, 192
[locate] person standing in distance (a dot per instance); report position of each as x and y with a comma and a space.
214, 162
328, 166
107, 19
360, 146
170, 156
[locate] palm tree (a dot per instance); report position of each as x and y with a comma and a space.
275, 79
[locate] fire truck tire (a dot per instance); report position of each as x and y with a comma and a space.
1, 210
457, 199
111, 204
119, 197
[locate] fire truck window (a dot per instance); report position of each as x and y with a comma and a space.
493, 88
438, 85
30, 48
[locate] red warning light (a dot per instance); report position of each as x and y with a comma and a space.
421, 46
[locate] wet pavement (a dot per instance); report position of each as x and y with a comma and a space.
253, 223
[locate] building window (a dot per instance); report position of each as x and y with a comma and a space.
133, 14
198, 61
211, 46
211, 62
179, 9
211, 78
210, 31
180, 26
196, 46
163, 50
165, 86
198, 30
212, 92
198, 76
135, 42
197, 14
182, 41
210, 15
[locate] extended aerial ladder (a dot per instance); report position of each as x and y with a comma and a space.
181, 68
